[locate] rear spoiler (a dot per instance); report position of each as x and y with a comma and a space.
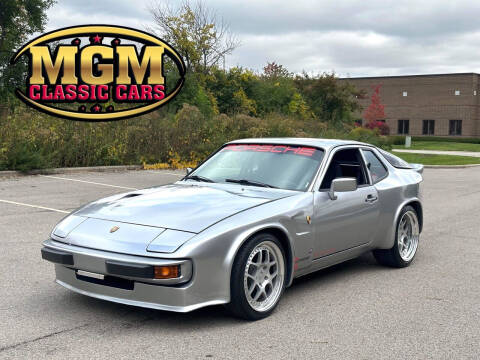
417, 167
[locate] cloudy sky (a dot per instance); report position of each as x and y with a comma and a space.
352, 38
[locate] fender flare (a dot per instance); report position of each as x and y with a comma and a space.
275, 229
418, 204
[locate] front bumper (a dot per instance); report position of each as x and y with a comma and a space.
128, 284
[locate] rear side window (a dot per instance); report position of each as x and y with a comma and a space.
395, 160
345, 163
374, 165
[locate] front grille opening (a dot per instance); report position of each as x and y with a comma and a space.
111, 281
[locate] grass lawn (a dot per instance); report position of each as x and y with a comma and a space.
439, 145
427, 159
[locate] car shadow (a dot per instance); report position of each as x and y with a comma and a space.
363, 263
215, 316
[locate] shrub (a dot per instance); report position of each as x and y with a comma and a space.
371, 137
397, 139
32, 140
22, 156
447, 139
380, 125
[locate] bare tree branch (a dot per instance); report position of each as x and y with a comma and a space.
196, 31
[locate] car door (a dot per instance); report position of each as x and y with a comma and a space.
349, 220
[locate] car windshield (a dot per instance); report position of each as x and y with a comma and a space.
277, 166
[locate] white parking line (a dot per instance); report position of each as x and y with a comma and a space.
157, 172
89, 182
34, 206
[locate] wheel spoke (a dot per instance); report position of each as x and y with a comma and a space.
407, 234
267, 258
257, 295
263, 278
260, 257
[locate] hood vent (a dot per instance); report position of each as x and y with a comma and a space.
129, 196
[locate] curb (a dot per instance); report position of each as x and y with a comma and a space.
118, 168
450, 166
474, 154
74, 170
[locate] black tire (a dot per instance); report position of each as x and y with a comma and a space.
239, 305
391, 257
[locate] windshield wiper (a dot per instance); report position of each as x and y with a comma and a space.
198, 178
249, 182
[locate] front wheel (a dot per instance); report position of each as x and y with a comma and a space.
406, 241
258, 278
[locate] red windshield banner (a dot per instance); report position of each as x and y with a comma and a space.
284, 149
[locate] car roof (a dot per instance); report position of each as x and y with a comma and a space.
315, 142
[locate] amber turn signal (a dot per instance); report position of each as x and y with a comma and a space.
167, 272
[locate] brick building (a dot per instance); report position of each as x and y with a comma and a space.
440, 105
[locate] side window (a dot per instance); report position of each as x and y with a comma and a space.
345, 163
374, 165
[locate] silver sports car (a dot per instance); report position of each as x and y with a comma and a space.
241, 226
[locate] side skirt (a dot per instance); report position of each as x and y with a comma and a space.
334, 259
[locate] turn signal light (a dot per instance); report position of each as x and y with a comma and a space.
167, 272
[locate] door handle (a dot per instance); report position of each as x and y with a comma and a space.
371, 198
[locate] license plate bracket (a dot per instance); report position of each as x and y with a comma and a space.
90, 275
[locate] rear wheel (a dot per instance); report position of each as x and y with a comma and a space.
406, 241
258, 278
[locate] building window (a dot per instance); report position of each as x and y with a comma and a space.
403, 126
457, 92
382, 121
455, 127
428, 127
405, 93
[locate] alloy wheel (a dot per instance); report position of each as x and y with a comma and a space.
264, 276
407, 236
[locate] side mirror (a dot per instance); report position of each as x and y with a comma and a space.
342, 185
188, 170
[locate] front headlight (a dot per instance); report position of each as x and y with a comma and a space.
169, 241
65, 226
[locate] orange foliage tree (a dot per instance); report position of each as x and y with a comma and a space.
375, 112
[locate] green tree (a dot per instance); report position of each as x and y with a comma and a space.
233, 90
19, 19
274, 91
330, 101
242, 104
194, 93
298, 106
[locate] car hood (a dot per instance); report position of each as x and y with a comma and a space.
186, 207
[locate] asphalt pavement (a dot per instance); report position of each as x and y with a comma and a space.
356, 310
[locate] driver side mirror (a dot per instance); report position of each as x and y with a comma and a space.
188, 170
342, 185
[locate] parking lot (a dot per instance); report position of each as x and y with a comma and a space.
356, 310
